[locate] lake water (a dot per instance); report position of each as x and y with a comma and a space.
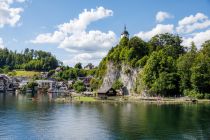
25, 119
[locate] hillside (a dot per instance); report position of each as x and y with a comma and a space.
31, 60
160, 66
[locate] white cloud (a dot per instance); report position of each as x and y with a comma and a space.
84, 19
192, 23
85, 58
161, 16
159, 29
55, 37
89, 41
73, 27
198, 38
74, 38
8, 15
1, 43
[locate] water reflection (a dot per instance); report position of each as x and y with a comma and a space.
21, 118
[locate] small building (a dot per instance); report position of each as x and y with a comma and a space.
6, 83
46, 84
44, 75
89, 66
58, 69
86, 81
106, 92
23, 83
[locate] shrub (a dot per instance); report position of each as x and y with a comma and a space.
199, 96
79, 86
207, 96
194, 94
117, 85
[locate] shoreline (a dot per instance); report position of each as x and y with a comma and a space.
130, 99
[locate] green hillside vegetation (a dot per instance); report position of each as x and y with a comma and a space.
30, 60
168, 68
72, 73
24, 73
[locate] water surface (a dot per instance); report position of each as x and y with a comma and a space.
24, 119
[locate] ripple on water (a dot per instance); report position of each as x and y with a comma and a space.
29, 120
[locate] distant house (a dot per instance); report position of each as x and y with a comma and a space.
46, 84
58, 69
61, 85
86, 81
44, 75
89, 66
105, 92
5, 83
23, 83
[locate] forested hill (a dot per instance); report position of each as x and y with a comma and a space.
166, 66
28, 59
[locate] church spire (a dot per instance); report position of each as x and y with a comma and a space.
125, 33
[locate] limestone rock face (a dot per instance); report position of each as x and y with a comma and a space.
125, 73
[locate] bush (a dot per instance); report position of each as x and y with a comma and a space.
199, 96
207, 96
117, 85
79, 86
194, 94
142, 62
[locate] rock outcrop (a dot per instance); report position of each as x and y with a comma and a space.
124, 73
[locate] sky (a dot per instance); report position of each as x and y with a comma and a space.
84, 30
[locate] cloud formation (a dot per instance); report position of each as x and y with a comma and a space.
159, 29
193, 28
161, 16
193, 22
73, 37
9, 15
197, 38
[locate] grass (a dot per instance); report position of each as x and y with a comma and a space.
84, 99
25, 73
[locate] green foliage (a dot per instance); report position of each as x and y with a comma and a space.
159, 74
207, 96
102, 68
142, 62
28, 60
128, 51
50, 73
184, 65
117, 84
165, 84
191, 93
78, 66
124, 41
164, 40
71, 73
79, 86
32, 85
200, 77
95, 83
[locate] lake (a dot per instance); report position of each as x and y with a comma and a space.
24, 119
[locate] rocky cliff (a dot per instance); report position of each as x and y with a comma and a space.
124, 73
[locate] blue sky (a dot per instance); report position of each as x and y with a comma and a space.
35, 24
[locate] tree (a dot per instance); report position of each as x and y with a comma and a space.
200, 77
117, 84
94, 83
124, 41
184, 65
79, 86
159, 74
166, 40
78, 66
139, 47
